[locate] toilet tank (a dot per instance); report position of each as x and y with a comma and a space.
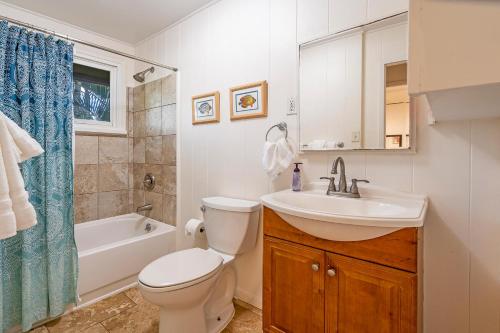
231, 224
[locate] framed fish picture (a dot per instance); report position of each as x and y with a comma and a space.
206, 108
249, 101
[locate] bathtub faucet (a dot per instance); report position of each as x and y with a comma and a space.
144, 208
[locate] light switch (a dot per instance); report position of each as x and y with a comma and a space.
355, 136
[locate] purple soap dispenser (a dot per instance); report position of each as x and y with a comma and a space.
296, 182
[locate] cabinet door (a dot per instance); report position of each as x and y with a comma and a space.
294, 277
312, 19
363, 297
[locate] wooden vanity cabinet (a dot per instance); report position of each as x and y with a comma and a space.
314, 285
367, 297
296, 290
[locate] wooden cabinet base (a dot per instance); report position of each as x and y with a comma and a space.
294, 285
366, 297
316, 285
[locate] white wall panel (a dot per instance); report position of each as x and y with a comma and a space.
346, 14
312, 19
442, 171
485, 226
378, 9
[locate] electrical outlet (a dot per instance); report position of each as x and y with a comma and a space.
291, 107
355, 136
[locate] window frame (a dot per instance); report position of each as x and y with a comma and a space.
117, 103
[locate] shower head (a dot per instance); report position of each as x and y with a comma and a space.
141, 76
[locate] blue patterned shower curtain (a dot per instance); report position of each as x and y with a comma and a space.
39, 266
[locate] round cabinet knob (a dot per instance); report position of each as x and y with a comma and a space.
331, 272
315, 267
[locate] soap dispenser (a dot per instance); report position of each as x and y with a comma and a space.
296, 182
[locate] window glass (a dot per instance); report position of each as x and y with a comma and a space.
91, 93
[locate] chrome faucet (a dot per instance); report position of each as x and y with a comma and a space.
342, 189
342, 182
147, 207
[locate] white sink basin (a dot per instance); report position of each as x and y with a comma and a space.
378, 212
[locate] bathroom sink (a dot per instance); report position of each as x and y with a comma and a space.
378, 212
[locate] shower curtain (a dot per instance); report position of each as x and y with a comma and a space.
38, 266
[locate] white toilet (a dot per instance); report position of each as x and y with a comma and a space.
194, 288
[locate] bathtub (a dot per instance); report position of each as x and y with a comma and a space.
113, 251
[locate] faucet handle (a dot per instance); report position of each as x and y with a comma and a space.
354, 186
331, 187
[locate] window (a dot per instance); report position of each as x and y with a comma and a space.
91, 93
99, 102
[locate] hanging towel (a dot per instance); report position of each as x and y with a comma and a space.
26, 146
277, 157
15, 146
7, 218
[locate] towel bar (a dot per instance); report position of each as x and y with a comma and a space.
281, 126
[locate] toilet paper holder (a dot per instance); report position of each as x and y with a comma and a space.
203, 210
194, 227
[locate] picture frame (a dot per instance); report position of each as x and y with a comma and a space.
248, 101
206, 108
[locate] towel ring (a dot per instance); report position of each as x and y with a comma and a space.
281, 126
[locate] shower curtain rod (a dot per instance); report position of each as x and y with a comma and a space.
79, 41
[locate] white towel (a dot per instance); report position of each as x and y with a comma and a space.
26, 146
7, 217
277, 157
15, 146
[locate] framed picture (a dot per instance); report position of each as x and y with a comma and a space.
249, 101
206, 108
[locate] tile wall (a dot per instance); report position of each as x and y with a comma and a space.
109, 170
101, 178
152, 125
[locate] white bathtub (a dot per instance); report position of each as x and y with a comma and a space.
113, 251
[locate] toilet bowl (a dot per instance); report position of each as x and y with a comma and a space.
194, 288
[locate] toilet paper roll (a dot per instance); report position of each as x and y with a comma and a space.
194, 228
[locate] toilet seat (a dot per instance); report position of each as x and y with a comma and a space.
180, 269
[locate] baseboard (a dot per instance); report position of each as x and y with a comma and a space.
248, 306
250, 298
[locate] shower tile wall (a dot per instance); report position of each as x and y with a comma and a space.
152, 125
101, 184
109, 170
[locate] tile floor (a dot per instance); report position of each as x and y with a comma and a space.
128, 312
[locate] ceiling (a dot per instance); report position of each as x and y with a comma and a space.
131, 21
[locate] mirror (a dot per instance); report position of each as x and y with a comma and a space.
397, 107
354, 91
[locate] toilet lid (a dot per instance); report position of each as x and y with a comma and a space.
180, 267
